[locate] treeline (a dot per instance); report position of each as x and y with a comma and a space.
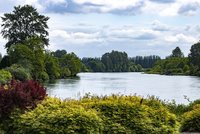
111, 62
146, 61
116, 61
176, 63
26, 58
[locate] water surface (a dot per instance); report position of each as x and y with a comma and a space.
164, 87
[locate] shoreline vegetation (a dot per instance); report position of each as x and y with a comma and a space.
26, 108
32, 111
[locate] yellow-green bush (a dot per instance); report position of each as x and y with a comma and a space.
55, 116
113, 114
191, 120
5, 76
131, 114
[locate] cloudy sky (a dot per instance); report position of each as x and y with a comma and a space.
138, 27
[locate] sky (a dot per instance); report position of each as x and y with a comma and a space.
91, 28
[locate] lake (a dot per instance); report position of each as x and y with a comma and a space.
162, 86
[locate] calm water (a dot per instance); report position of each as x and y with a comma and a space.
165, 87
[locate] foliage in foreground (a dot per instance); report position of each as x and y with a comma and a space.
191, 120
99, 115
114, 114
20, 95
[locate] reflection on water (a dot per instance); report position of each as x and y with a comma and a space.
165, 87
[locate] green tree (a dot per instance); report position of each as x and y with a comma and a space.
115, 61
94, 64
169, 66
30, 54
194, 59
20, 52
52, 66
24, 22
72, 62
177, 53
194, 56
145, 61
59, 53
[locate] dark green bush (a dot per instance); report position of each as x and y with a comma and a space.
19, 73
191, 120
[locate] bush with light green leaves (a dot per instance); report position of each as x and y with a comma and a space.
113, 114
191, 120
56, 116
5, 76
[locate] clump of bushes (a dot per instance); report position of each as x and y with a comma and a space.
191, 120
132, 114
56, 116
5, 76
21, 103
19, 73
114, 114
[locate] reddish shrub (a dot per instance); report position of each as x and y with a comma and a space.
21, 95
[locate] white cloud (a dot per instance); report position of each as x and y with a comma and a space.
158, 26
108, 5
178, 7
129, 33
79, 38
181, 38
170, 10
59, 33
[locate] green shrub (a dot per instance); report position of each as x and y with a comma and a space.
191, 120
56, 116
180, 109
5, 76
113, 114
19, 73
132, 114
